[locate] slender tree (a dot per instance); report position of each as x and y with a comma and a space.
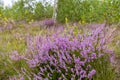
55, 10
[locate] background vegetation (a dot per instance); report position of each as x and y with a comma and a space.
84, 11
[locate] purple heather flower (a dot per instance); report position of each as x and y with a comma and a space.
36, 77
15, 56
82, 72
60, 78
77, 60
14, 78
22, 78
32, 63
49, 22
72, 70
100, 54
82, 63
112, 59
91, 73
93, 56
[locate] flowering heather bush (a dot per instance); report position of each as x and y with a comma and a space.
48, 22
70, 57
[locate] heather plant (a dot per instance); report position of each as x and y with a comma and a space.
69, 57
49, 22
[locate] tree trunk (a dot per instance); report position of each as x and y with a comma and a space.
55, 10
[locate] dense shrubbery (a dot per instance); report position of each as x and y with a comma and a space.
27, 10
89, 10
83, 11
68, 57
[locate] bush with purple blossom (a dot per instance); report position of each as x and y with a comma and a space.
49, 22
70, 57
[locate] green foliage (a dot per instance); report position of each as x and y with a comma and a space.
89, 10
27, 10
6, 67
103, 72
9, 68
83, 11
41, 11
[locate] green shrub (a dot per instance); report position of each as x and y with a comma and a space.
89, 10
